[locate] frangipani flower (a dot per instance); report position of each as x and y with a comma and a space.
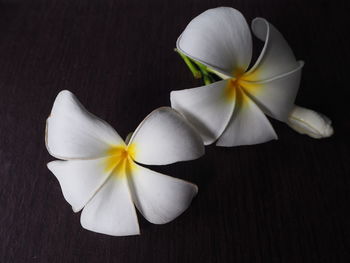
99, 171
232, 110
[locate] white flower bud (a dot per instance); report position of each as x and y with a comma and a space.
312, 123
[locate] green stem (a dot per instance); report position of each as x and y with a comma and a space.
207, 77
198, 69
207, 80
201, 66
196, 73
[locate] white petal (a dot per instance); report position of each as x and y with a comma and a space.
276, 57
160, 198
248, 125
206, 108
111, 211
164, 137
312, 123
74, 133
219, 38
79, 179
276, 96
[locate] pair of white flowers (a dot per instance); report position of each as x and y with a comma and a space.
100, 173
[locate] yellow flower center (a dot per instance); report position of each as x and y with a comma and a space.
237, 85
231, 88
120, 159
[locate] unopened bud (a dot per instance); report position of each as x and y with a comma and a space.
309, 122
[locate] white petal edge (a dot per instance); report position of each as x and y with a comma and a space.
276, 96
310, 122
165, 137
111, 211
160, 198
276, 56
74, 133
247, 126
218, 38
206, 108
79, 179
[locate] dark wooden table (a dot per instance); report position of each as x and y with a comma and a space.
282, 201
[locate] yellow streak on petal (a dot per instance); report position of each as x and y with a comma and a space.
244, 81
248, 82
230, 90
242, 100
120, 160
132, 150
252, 76
250, 87
238, 73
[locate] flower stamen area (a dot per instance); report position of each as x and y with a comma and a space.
231, 87
240, 84
120, 159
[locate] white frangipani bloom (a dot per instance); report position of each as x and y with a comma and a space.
232, 110
99, 174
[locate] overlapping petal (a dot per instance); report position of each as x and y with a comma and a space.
75, 133
111, 211
219, 38
276, 57
165, 137
276, 96
208, 108
79, 179
248, 124
160, 198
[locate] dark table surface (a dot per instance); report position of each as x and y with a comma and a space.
281, 201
